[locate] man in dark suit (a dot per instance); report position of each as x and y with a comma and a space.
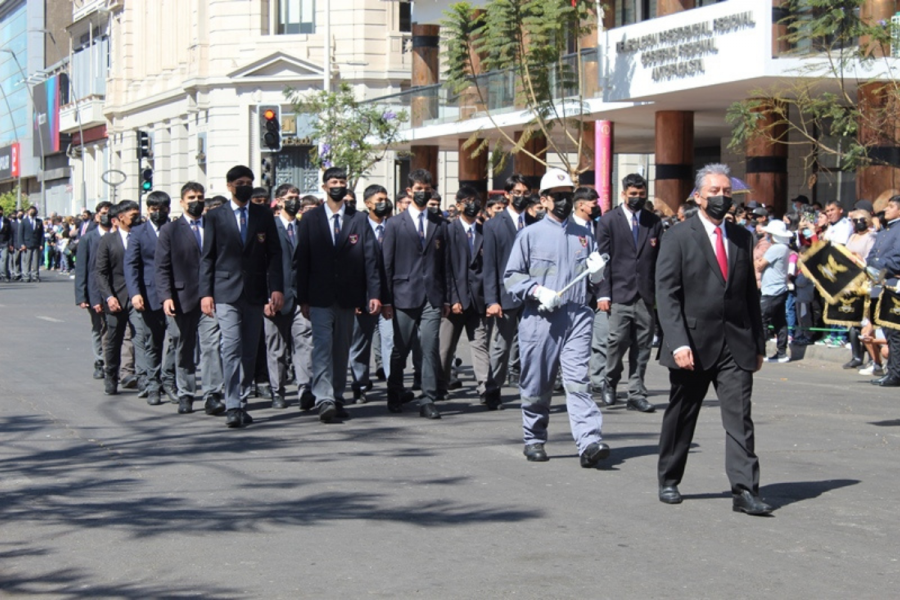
466, 288
110, 273
712, 333
6, 245
501, 306
630, 235
140, 278
31, 244
885, 254
178, 289
337, 273
240, 274
87, 296
415, 247
288, 334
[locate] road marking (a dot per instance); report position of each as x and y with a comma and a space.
51, 319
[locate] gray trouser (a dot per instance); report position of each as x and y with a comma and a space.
386, 333
4, 262
31, 261
15, 266
364, 326
476, 327
98, 331
128, 367
506, 329
288, 341
184, 331
240, 324
598, 348
140, 340
153, 331
376, 344
630, 329
332, 330
167, 372
426, 321
211, 356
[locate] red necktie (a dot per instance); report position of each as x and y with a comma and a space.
721, 257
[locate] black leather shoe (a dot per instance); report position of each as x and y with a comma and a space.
535, 453
327, 411
394, 402
143, 393
493, 401
854, 363
279, 402
234, 418
171, 392
264, 390
429, 411
307, 400
110, 387
185, 405
359, 396
154, 398
887, 382
341, 412
379, 373
213, 405
669, 494
609, 396
406, 396
130, 382
640, 405
750, 503
593, 454
98, 370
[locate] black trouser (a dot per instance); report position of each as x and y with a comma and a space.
773, 313
893, 362
734, 387
116, 324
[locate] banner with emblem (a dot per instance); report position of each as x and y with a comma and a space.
847, 310
887, 312
834, 270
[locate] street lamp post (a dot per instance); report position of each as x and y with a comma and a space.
16, 134
40, 137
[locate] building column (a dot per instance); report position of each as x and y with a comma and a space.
525, 165
424, 106
674, 156
586, 160
767, 163
473, 170
668, 7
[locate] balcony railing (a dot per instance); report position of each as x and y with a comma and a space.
91, 113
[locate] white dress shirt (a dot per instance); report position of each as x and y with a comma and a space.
330, 215
515, 216
124, 235
190, 221
414, 212
235, 207
840, 232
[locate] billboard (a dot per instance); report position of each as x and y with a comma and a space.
9, 162
48, 96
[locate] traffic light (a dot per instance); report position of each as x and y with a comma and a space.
270, 128
143, 148
146, 180
267, 174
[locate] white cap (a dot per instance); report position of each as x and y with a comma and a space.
554, 178
777, 228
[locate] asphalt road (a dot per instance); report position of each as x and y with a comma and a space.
107, 497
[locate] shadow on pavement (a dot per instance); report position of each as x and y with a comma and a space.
886, 423
783, 494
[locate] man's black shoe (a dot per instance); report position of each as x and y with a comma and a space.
493, 401
263, 390
327, 411
110, 387
669, 494
750, 503
359, 396
394, 402
341, 412
854, 363
153, 398
235, 418
307, 400
171, 392
185, 405
887, 382
130, 382
144, 392
279, 402
406, 396
379, 373
593, 454
535, 453
640, 405
609, 396
214, 405
98, 370
429, 411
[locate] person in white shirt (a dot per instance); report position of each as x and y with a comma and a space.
839, 227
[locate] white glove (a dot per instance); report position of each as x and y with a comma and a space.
549, 299
596, 263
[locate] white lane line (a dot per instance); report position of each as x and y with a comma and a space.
51, 319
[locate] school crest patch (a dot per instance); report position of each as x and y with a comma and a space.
437, 244
261, 238
583, 241
353, 239
653, 242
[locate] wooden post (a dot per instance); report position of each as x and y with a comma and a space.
767, 163
674, 156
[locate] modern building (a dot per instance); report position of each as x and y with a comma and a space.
664, 74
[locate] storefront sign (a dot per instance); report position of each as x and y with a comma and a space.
9, 161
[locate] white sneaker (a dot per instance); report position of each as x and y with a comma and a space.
872, 369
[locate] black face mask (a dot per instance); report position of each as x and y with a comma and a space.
435, 210
635, 203
717, 206
860, 225
337, 193
540, 214
472, 209
195, 208
159, 218
382, 209
595, 212
520, 203
350, 207
243, 193
104, 220
292, 206
421, 198
135, 221
562, 204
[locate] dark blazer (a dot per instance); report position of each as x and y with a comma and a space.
140, 264
110, 270
31, 237
631, 271
230, 270
288, 265
14, 233
345, 273
178, 266
415, 275
85, 262
6, 232
465, 279
697, 307
499, 235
